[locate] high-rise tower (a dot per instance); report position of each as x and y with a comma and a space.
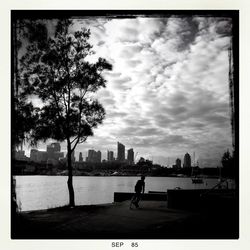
120, 152
187, 161
178, 163
94, 156
80, 157
110, 155
130, 157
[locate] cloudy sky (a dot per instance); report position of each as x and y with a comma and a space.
168, 92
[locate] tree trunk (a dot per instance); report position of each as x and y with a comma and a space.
70, 178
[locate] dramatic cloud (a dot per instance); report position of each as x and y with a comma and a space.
168, 93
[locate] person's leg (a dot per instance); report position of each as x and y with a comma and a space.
137, 199
133, 199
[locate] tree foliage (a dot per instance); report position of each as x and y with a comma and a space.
31, 31
227, 160
229, 169
25, 117
58, 74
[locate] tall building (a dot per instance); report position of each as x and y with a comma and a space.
50, 151
58, 155
130, 156
42, 156
110, 156
120, 152
20, 155
38, 156
94, 156
178, 163
98, 156
53, 154
80, 157
187, 161
33, 155
90, 156
56, 146
53, 151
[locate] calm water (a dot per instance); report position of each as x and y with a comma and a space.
42, 192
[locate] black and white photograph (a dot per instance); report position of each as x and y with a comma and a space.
124, 124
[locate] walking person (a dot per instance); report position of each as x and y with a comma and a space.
139, 189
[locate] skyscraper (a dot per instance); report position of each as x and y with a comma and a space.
94, 156
50, 151
110, 155
178, 163
80, 157
53, 151
187, 161
91, 156
98, 156
120, 152
20, 155
33, 155
56, 146
130, 156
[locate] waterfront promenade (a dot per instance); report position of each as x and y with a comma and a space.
116, 221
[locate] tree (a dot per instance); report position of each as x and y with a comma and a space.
25, 117
60, 76
32, 31
227, 160
23, 113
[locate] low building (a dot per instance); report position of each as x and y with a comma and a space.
20, 156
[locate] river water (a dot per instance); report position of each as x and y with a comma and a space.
43, 192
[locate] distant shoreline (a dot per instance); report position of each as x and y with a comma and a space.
206, 177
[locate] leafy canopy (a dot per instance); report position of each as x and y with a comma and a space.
23, 114
227, 160
60, 76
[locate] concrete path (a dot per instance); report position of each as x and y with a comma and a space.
153, 220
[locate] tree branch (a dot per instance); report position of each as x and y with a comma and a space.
56, 101
74, 139
65, 104
83, 140
77, 141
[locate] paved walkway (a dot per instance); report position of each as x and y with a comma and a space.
115, 221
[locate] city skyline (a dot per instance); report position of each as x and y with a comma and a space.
93, 155
168, 92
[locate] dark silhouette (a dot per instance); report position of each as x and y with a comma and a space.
59, 76
139, 188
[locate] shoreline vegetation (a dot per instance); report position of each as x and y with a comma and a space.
112, 175
116, 169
